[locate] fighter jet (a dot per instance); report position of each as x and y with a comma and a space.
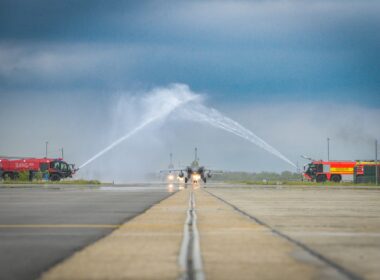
170, 172
194, 172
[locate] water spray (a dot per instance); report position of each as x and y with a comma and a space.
165, 101
200, 113
118, 141
162, 102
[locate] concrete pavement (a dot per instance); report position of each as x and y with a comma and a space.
342, 224
262, 232
41, 226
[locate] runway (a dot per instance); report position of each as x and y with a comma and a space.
337, 229
223, 231
42, 225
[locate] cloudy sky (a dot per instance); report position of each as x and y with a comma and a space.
294, 72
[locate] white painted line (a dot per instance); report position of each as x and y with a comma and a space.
190, 253
185, 243
197, 258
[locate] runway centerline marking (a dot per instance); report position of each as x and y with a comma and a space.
190, 259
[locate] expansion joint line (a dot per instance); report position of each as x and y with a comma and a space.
340, 269
190, 260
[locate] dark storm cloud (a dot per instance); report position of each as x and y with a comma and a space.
239, 24
62, 20
252, 49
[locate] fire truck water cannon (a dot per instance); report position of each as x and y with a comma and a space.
53, 169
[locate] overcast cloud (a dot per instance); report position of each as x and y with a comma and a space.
295, 72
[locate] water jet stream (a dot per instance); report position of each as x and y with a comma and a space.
214, 118
165, 101
117, 142
160, 103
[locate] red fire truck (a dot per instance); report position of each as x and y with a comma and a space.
56, 169
336, 171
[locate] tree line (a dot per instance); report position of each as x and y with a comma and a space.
260, 176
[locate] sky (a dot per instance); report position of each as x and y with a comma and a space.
293, 72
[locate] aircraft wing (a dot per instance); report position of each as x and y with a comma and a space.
213, 171
171, 170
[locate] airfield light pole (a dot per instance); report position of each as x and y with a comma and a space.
376, 166
328, 149
46, 148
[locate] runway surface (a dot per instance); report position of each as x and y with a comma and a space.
40, 226
336, 229
223, 231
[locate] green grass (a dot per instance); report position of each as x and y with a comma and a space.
301, 183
